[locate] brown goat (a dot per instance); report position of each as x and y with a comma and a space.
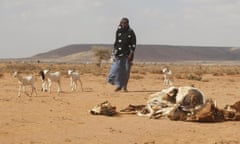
232, 112
178, 114
208, 113
235, 107
104, 108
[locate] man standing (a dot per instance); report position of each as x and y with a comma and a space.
122, 55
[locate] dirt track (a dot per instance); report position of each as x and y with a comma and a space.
52, 119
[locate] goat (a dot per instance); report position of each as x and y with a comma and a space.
74, 77
25, 81
232, 112
208, 112
162, 103
48, 78
167, 76
235, 107
44, 81
104, 108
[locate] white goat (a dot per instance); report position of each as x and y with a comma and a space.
48, 78
167, 76
44, 81
25, 81
74, 77
163, 102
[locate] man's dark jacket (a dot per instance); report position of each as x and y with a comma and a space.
125, 42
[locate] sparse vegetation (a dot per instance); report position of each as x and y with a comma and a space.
189, 72
23, 67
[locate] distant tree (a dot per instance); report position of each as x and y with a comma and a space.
101, 54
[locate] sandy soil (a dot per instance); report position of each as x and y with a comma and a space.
64, 119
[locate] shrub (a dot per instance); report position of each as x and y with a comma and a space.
101, 54
194, 77
218, 74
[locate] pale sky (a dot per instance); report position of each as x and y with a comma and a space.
28, 27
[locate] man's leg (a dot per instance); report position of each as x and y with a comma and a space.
127, 74
113, 77
121, 73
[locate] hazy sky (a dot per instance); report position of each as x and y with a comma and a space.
28, 27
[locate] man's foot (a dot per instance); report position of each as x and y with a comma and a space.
110, 81
118, 89
125, 90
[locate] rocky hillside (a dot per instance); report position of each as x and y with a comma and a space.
153, 53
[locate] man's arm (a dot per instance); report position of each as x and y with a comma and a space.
133, 42
133, 47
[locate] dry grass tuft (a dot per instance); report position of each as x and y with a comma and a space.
218, 74
190, 76
1, 75
193, 76
136, 77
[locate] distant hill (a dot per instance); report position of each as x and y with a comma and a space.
64, 51
153, 53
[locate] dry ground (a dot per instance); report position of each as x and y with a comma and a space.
64, 119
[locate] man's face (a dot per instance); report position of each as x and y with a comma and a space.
124, 24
